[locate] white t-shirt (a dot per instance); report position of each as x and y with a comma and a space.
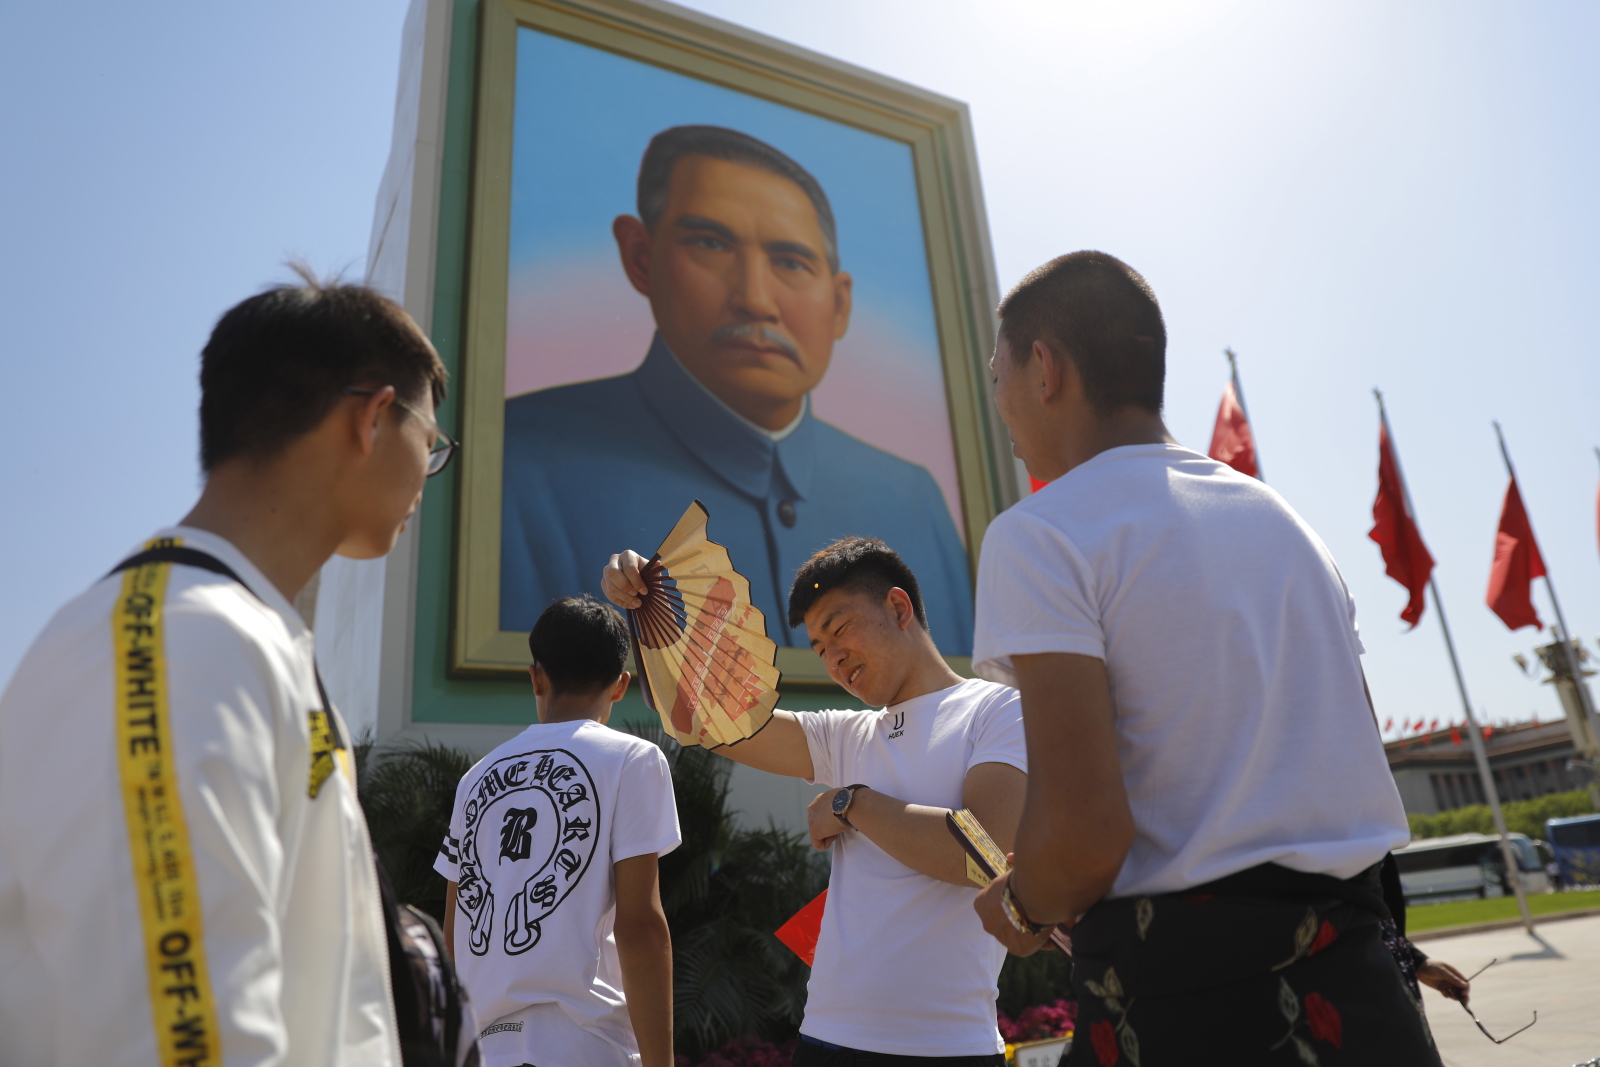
536, 827
903, 964
1230, 639
292, 923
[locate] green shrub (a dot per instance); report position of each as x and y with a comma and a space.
725, 890
1522, 816
1028, 981
407, 789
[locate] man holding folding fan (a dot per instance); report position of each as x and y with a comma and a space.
1213, 798
903, 971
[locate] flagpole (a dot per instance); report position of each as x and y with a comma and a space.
1238, 394
1479, 754
1564, 635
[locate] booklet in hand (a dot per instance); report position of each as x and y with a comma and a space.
985, 861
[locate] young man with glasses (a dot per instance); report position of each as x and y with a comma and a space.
185, 873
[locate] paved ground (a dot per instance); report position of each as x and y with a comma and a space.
1557, 975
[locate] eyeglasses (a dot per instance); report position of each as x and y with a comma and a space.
444, 446
1480, 1026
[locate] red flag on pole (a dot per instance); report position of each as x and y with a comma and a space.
1405, 557
1516, 564
1231, 441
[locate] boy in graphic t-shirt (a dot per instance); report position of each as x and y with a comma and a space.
554, 909
904, 973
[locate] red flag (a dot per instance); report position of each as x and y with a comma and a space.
1231, 441
1455, 735
800, 933
1488, 732
1434, 725
1516, 564
1405, 557
1388, 724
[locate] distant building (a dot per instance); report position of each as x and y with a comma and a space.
1434, 772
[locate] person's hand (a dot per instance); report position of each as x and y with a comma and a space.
621, 582
1445, 978
821, 822
987, 905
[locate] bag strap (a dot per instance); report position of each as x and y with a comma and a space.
193, 557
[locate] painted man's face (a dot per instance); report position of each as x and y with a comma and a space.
738, 279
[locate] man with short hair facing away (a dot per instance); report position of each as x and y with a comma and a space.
736, 249
1210, 792
200, 888
553, 910
903, 971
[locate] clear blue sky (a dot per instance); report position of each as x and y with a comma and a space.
1350, 194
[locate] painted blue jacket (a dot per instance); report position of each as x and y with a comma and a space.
600, 466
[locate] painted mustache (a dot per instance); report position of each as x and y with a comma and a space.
750, 332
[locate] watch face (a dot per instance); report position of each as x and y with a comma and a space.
841, 801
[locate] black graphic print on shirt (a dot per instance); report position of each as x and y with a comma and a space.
531, 824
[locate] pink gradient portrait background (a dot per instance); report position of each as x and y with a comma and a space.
584, 118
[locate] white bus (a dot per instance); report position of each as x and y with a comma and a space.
1466, 867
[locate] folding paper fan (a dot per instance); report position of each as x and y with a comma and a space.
705, 662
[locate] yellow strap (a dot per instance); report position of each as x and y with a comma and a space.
323, 746
181, 1004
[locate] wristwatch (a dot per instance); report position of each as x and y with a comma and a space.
1016, 916
842, 801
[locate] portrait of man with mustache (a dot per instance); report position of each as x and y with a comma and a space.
735, 248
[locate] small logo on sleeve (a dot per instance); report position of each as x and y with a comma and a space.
899, 726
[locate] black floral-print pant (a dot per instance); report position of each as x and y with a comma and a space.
1292, 975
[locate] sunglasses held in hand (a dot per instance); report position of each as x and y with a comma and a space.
1457, 998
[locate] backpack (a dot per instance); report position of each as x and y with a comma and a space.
434, 1020
436, 1025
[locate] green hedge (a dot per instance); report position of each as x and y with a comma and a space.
1522, 816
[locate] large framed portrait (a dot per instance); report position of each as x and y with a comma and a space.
702, 268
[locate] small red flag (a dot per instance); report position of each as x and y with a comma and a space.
1516, 564
1388, 724
1455, 735
800, 933
1231, 441
1488, 732
1432, 726
1405, 557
